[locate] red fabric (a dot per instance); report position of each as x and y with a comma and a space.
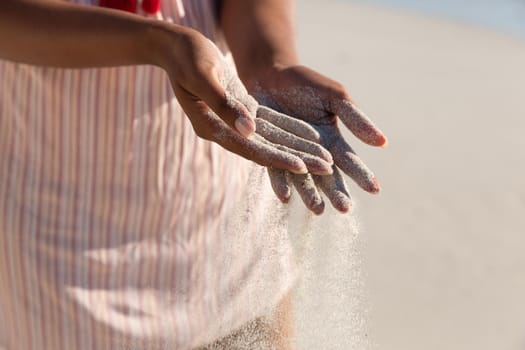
125, 5
151, 6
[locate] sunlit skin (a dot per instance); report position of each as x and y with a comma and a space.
218, 108
262, 40
323, 103
261, 36
278, 138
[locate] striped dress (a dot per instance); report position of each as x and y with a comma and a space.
119, 227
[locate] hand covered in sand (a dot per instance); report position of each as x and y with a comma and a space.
306, 95
277, 136
221, 111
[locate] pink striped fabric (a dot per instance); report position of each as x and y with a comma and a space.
119, 227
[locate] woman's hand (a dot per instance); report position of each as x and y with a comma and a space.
222, 111
306, 95
261, 35
198, 74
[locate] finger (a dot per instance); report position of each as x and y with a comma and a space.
233, 84
346, 159
305, 186
293, 125
226, 105
334, 187
256, 149
357, 122
314, 164
250, 103
280, 184
277, 135
210, 127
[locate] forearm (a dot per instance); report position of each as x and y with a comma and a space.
260, 33
55, 33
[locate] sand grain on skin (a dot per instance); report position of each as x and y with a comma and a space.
277, 135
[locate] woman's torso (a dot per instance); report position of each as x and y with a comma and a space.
120, 228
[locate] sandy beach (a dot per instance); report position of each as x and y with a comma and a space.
443, 243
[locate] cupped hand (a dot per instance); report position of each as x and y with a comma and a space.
321, 102
221, 110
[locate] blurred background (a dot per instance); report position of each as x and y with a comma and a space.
443, 245
501, 15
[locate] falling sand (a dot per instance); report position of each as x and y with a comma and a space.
330, 304
329, 308
329, 311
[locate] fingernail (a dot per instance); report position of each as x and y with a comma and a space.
245, 126
327, 156
322, 168
344, 207
285, 199
376, 188
300, 168
347, 208
329, 169
384, 141
318, 208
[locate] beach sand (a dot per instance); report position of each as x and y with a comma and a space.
444, 242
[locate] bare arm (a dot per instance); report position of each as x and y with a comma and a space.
56, 33
59, 34
260, 33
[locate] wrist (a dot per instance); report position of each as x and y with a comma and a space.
261, 36
159, 43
